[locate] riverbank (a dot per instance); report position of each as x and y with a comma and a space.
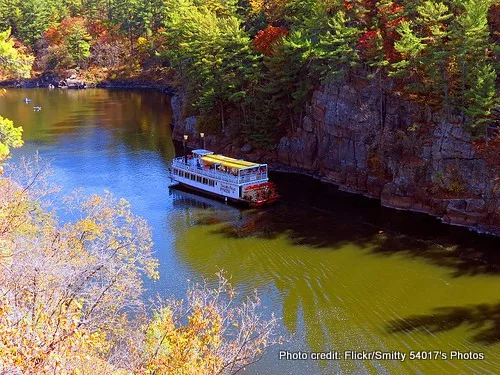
87, 79
434, 170
406, 156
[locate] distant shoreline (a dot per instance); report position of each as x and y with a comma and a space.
45, 80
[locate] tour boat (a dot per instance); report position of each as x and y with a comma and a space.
232, 179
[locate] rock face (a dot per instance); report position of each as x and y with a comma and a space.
387, 148
391, 149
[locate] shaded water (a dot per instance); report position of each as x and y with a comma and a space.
341, 272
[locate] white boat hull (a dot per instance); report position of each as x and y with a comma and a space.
243, 184
219, 188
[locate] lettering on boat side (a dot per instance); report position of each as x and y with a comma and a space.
229, 189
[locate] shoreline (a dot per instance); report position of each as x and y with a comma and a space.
46, 79
284, 169
276, 166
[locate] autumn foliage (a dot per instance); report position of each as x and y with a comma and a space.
220, 337
266, 39
70, 293
383, 20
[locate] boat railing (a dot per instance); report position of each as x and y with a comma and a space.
179, 163
190, 167
252, 178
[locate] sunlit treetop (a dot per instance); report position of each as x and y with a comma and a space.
12, 59
10, 137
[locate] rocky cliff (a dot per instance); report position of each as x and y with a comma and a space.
387, 148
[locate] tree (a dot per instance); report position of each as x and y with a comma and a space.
425, 54
481, 97
11, 59
470, 40
433, 17
266, 39
213, 58
76, 39
10, 137
34, 20
71, 293
10, 15
274, 11
285, 87
208, 333
409, 46
67, 288
336, 50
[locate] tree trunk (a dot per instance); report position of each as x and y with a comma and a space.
222, 116
245, 123
445, 89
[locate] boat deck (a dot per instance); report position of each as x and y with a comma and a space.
192, 167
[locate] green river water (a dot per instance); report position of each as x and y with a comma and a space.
342, 273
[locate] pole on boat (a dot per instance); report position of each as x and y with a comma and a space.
185, 151
202, 135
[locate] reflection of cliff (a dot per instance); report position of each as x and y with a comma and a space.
346, 282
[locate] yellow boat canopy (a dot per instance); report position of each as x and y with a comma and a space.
228, 162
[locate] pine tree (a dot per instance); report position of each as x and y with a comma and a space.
287, 82
77, 42
336, 50
433, 18
213, 56
10, 15
470, 41
34, 21
409, 45
481, 97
